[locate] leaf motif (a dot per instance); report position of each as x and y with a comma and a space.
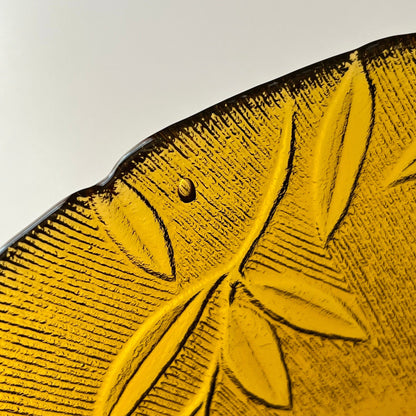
136, 228
252, 354
405, 168
304, 305
276, 188
341, 146
148, 353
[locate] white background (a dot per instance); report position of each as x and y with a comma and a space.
83, 81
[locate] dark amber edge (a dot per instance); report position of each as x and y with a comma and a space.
164, 137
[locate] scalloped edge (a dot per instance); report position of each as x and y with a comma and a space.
293, 80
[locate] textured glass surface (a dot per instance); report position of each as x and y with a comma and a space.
256, 258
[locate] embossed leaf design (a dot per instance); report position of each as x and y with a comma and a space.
136, 228
294, 300
405, 168
277, 186
341, 146
145, 357
253, 355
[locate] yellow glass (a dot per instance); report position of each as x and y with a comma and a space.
257, 258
